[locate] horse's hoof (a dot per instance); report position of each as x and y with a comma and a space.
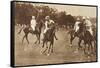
56, 38
48, 54
79, 48
41, 52
88, 53
76, 51
25, 49
70, 45
88, 57
92, 54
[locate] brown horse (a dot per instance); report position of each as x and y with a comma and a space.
84, 35
28, 30
49, 37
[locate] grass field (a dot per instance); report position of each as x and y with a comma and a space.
30, 54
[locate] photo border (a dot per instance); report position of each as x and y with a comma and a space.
12, 29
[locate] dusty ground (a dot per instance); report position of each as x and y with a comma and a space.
30, 54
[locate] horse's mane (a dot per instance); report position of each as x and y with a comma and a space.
50, 33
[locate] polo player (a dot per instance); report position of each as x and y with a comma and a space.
48, 22
76, 26
88, 25
82, 25
33, 23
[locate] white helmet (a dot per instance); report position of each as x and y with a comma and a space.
68, 13
87, 17
83, 18
47, 17
33, 17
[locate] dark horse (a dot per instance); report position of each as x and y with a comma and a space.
49, 37
84, 35
28, 30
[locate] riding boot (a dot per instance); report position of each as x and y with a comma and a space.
75, 34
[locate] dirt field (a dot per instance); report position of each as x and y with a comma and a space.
31, 54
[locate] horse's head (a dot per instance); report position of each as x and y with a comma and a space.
52, 25
51, 29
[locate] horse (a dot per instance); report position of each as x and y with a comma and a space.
28, 30
84, 35
88, 38
49, 37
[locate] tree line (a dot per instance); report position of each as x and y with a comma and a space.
24, 13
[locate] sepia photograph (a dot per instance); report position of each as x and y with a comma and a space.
51, 33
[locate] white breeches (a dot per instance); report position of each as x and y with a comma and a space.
76, 28
90, 30
33, 27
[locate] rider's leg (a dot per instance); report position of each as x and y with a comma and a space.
33, 27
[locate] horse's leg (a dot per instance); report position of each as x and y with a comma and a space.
37, 39
45, 49
85, 48
43, 42
88, 44
52, 45
94, 43
91, 48
55, 37
79, 44
23, 39
94, 46
71, 40
52, 49
49, 49
27, 38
